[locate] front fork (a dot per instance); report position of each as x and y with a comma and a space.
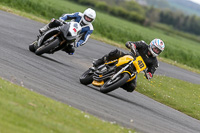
123, 69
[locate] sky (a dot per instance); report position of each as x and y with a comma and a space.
196, 1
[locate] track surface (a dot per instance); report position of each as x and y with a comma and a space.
57, 76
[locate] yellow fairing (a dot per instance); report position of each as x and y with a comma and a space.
130, 75
123, 60
111, 62
139, 64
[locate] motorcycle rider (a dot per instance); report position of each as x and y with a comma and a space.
147, 52
85, 19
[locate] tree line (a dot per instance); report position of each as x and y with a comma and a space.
132, 11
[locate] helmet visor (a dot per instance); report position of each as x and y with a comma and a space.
88, 19
156, 50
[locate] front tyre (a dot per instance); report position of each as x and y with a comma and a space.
111, 85
46, 48
87, 77
32, 46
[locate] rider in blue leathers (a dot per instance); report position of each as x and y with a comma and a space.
85, 19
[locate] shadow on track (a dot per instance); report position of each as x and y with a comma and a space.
53, 60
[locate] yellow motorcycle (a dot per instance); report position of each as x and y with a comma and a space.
111, 75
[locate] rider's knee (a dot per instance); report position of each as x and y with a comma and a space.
54, 23
69, 49
114, 52
129, 87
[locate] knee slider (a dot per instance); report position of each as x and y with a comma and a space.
114, 52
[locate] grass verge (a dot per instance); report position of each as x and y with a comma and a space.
24, 111
178, 94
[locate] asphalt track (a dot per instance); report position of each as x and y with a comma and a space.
57, 76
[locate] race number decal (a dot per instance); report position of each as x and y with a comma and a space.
141, 64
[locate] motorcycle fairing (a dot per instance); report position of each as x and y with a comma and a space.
124, 60
71, 30
139, 64
47, 34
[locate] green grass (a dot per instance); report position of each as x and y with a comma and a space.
178, 94
24, 111
178, 48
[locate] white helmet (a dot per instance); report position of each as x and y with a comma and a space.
156, 47
89, 16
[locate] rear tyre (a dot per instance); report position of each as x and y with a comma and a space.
111, 85
46, 48
87, 77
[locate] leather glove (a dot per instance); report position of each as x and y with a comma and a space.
61, 20
128, 44
131, 46
148, 75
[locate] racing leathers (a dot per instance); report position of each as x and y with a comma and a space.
143, 49
76, 17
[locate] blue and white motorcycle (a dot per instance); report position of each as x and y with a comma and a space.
56, 39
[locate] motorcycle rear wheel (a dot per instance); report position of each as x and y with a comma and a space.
46, 48
87, 77
111, 85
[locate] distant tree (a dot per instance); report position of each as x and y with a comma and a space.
179, 20
133, 6
153, 14
194, 24
158, 3
102, 6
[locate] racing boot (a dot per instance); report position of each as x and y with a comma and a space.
69, 49
100, 61
114, 54
44, 29
130, 86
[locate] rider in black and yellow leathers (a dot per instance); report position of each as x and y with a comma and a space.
147, 52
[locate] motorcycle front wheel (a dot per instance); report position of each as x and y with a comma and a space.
46, 48
111, 85
87, 77
32, 46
